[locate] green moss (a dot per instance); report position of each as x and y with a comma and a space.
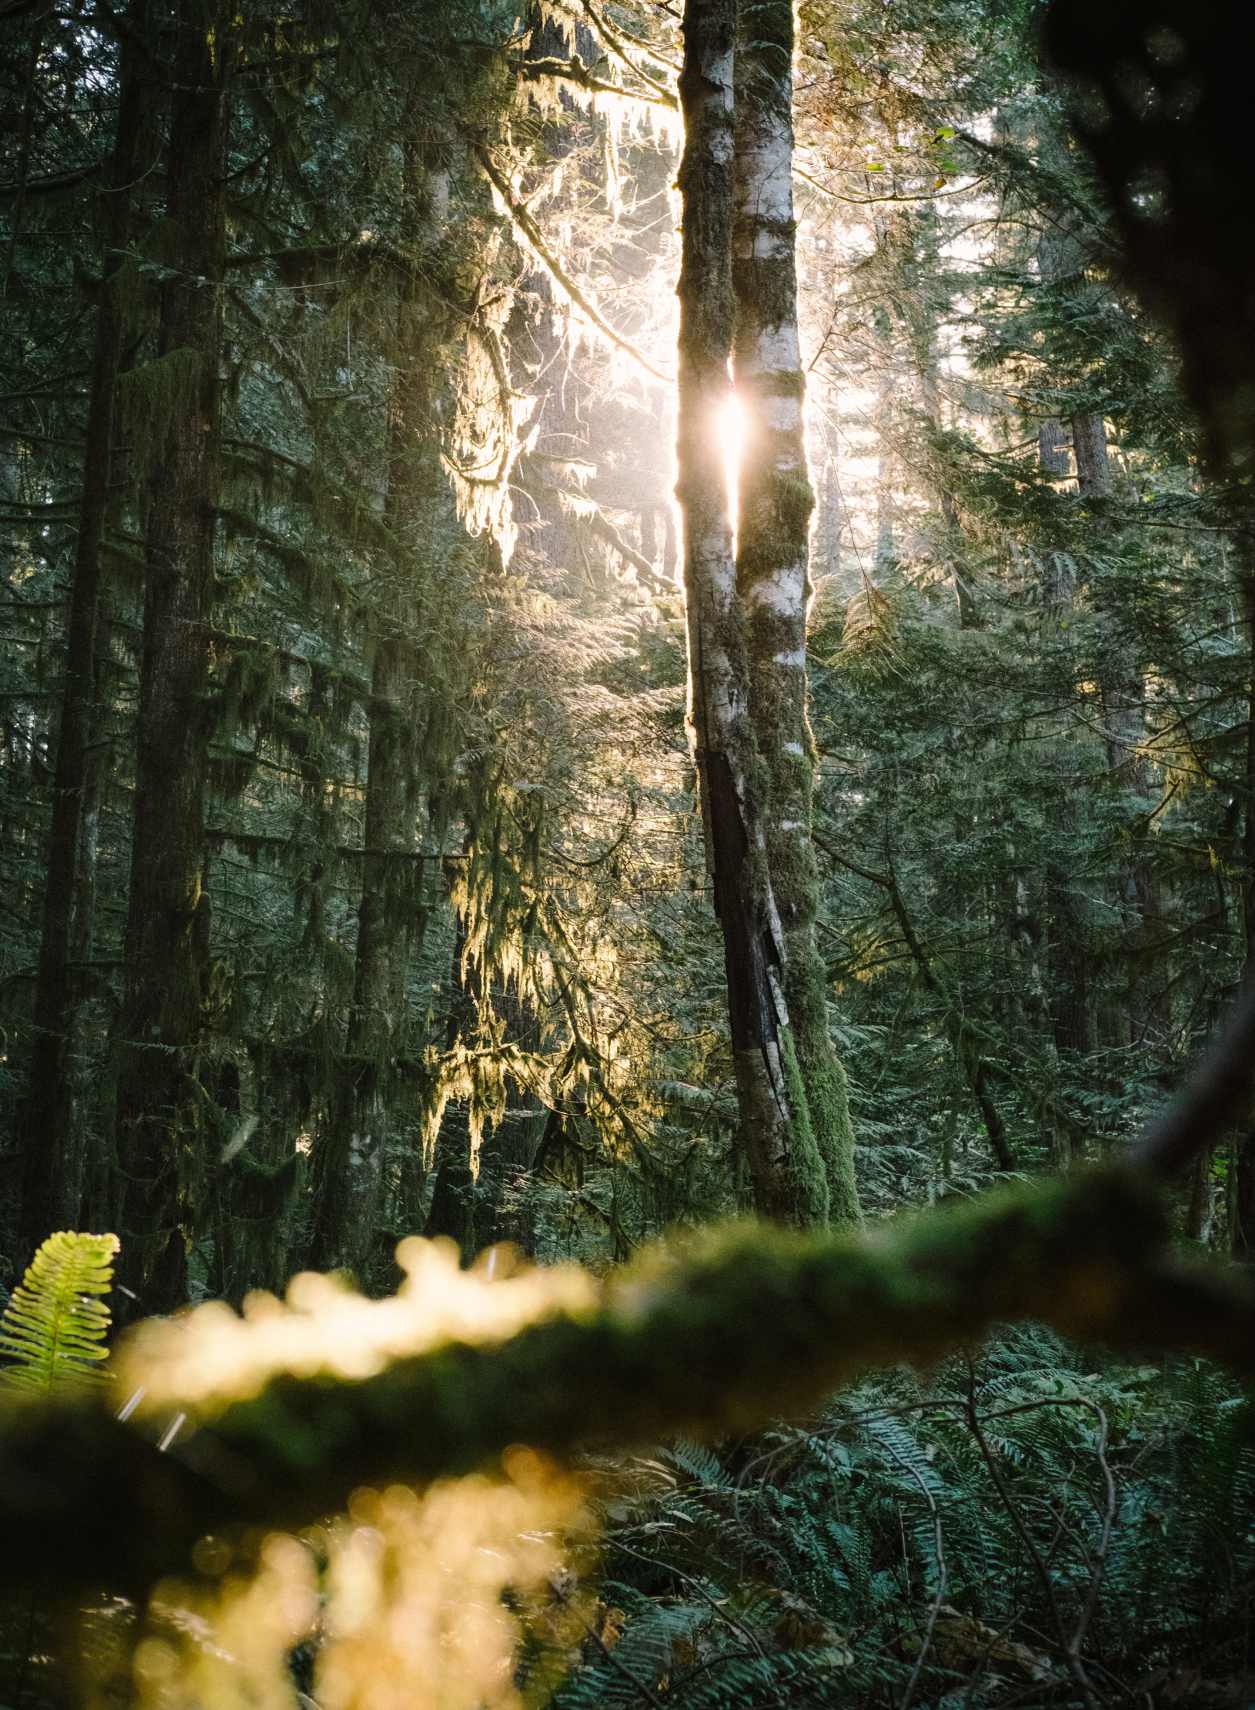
793, 500
807, 1166
721, 1333
828, 1090
156, 395
770, 285
718, 1334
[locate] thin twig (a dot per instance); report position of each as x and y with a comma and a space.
943, 1575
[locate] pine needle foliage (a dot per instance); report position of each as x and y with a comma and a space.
55, 1324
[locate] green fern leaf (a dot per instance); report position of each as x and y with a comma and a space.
54, 1326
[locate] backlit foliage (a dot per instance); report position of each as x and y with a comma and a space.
212, 1356
429, 1598
52, 1334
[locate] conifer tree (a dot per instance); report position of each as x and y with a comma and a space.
168, 1009
57, 1117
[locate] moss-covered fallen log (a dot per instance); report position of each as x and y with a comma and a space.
718, 1335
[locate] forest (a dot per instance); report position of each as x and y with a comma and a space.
627, 854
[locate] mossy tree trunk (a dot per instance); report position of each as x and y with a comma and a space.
166, 1017
772, 557
54, 1141
787, 1172
391, 915
1068, 955
1243, 1189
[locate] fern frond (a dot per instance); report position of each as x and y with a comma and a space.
54, 1326
701, 1464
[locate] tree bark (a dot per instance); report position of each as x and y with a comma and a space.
789, 1180
165, 1022
1243, 1218
54, 1140
773, 558
352, 1179
1068, 953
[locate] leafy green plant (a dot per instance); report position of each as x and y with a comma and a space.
1010, 1527
54, 1327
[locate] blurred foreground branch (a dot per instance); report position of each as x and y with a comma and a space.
713, 1336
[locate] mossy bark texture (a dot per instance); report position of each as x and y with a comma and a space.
53, 1147
166, 1021
352, 1151
772, 564
789, 1180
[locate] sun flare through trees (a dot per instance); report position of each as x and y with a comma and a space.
627, 804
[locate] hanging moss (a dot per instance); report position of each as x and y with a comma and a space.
247, 682
154, 396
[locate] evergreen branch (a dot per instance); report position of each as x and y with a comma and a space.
534, 239
602, 526
973, 1065
574, 70
618, 44
50, 185
719, 1336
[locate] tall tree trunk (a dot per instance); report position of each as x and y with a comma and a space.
787, 1171
886, 470
1071, 1005
920, 314
1068, 955
1243, 1218
1123, 692
351, 1180
452, 1209
52, 1163
161, 1108
772, 554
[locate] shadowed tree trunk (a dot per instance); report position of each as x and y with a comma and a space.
1123, 691
161, 1107
1068, 950
772, 555
52, 1164
1243, 1220
391, 916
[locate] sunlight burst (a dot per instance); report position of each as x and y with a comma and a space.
731, 428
